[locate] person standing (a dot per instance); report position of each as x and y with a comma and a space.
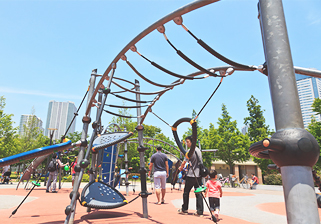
73, 172
214, 191
160, 162
53, 174
5, 173
193, 179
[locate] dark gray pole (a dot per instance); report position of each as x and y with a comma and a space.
51, 133
141, 149
126, 165
300, 150
86, 120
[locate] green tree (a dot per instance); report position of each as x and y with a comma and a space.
8, 134
149, 131
74, 137
316, 105
257, 129
315, 127
231, 143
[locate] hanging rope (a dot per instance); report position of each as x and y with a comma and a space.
160, 118
150, 81
118, 106
164, 69
131, 100
179, 21
187, 59
209, 99
119, 115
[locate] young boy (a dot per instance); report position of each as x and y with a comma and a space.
214, 190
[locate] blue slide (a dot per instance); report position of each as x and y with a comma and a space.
34, 153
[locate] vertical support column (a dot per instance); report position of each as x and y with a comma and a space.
51, 133
94, 157
301, 150
126, 165
141, 149
70, 209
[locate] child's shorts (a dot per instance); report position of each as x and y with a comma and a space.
214, 203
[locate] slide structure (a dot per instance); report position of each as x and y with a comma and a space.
44, 151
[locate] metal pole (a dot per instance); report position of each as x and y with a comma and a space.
126, 166
95, 156
141, 149
86, 120
301, 151
51, 133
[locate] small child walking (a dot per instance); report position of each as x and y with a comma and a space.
214, 192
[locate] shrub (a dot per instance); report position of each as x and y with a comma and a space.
273, 179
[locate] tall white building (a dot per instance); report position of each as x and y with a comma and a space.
245, 129
60, 115
25, 119
309, 88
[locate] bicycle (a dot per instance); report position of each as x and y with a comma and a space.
225, 180
244, 182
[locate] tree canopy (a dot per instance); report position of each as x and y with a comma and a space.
8, 134
257, 129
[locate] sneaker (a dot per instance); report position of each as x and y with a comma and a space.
198, 215
54, 192
47, 191
181, 211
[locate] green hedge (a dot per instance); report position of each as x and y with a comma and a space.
273, 179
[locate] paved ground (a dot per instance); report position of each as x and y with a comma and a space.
238, 205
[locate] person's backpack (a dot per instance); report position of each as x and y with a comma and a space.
203, 171
52, 165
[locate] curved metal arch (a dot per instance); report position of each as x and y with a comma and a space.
112, 124
181, 11
158, 140
166, 143
155, 147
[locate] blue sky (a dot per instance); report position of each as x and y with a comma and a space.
48, 49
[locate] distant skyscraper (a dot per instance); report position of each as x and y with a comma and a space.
309, 88
25, 118
245, 129
59, 116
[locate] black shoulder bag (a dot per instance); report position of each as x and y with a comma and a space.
203, 170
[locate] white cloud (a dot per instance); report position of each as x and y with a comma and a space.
37, 93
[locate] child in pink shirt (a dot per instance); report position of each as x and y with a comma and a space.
214, 191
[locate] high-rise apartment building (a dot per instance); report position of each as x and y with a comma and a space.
245, 129
26, 120
59, 116
309, 88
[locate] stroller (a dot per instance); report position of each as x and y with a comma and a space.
6, 178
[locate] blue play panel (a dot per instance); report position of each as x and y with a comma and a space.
100, 195
34, 153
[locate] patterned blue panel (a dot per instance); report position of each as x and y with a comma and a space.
109, 164
101, 195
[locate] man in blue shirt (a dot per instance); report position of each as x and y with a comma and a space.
160, 162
